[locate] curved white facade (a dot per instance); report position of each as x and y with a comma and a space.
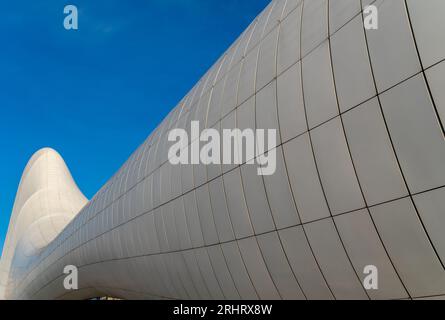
47, 200
360, 176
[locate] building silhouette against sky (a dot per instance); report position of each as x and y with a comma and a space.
359, 181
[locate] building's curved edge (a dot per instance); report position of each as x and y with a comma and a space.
47, 183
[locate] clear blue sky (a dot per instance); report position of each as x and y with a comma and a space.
96, 93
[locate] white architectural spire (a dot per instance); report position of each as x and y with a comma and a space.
47, 200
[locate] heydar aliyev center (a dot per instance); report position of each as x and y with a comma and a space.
359, 182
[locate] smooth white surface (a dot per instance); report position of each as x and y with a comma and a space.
363, 186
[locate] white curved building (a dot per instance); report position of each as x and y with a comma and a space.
360, 176
47, 200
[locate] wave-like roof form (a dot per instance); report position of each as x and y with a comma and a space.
47, 200
359, 181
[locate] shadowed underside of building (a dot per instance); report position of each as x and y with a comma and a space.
360, 176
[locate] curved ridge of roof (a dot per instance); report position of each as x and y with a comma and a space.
47, 200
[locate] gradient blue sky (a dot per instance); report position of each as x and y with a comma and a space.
96, 93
